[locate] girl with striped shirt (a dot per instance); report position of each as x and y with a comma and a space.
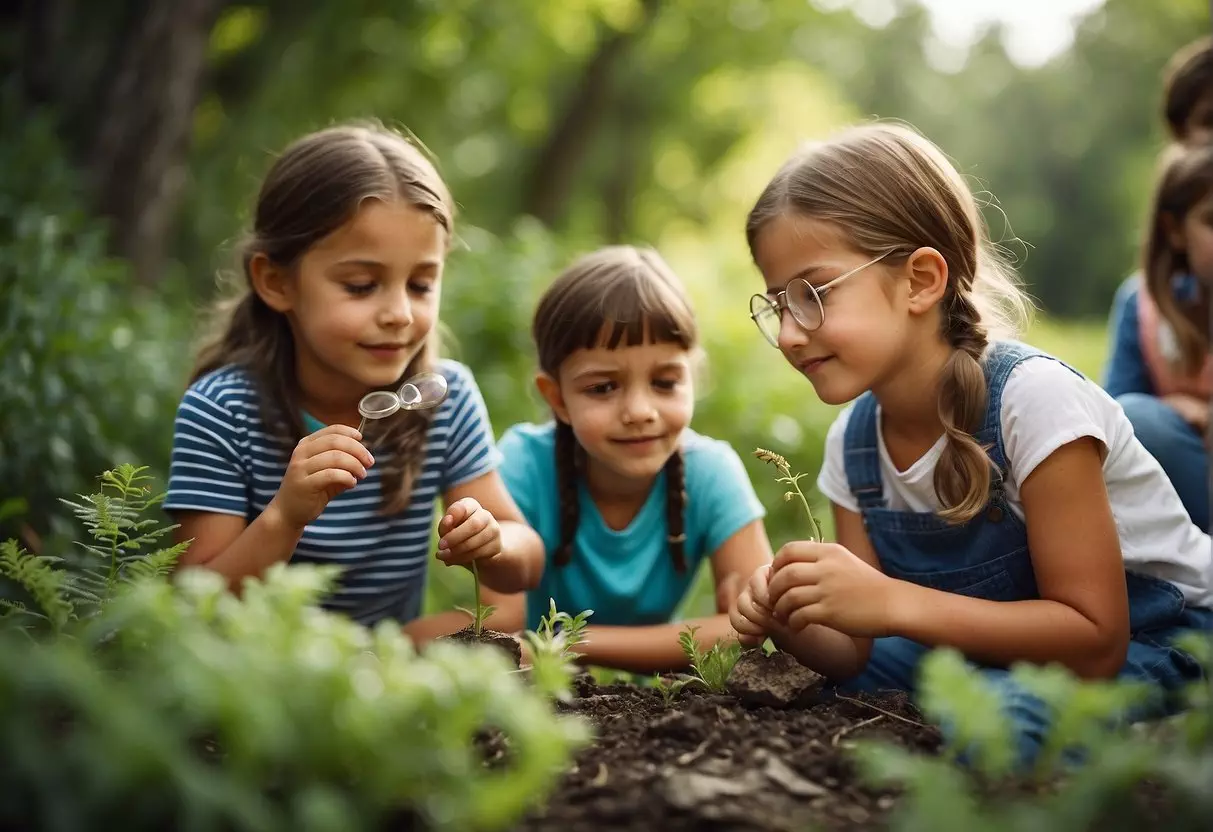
340, 293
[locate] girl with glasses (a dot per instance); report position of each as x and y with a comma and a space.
986, 496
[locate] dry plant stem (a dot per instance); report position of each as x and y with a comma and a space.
834, 740
889, 714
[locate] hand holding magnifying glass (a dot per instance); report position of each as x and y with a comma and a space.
421, 392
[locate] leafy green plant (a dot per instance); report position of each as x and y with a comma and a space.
116, 554
669, 688
790, 479
1056, 795
553, 661
265, 712
712, 666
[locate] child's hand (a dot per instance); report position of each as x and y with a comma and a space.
750, 612
1192, 410
323, 465
824, 583
469, 532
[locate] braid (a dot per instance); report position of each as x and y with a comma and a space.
675, 502
962, 476
566, 487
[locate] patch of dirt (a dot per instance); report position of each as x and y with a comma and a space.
710, 762
502, 641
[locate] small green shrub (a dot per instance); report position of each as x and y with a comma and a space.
712, 666
553, 662
151, 704
1054, 797
66, 590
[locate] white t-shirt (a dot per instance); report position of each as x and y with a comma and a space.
1045, 406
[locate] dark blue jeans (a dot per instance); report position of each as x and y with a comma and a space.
1177, 446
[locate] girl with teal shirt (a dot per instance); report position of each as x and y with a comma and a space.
629, 501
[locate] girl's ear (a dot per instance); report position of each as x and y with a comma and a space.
271, 283
549, 388
928, 278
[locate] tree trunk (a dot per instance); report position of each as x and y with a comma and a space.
551, 179
136, 158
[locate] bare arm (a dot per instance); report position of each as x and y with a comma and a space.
233, 547
1083, 619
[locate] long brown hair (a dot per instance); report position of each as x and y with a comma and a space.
616, 296
889, 189
1185, 179
313, 188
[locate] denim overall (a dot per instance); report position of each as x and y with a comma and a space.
988, 558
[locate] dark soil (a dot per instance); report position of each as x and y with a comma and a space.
502, 641
709, 762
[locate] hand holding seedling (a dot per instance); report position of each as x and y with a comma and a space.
750, 613
811, 582
468, 532
824, 583
323, 465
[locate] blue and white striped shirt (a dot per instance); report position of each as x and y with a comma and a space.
224, 461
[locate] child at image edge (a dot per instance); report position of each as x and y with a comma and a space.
986, 496
1159, 368
342, 276
628, 499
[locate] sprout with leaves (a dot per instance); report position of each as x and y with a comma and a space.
791, 479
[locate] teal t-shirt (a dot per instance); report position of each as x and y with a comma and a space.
626, 577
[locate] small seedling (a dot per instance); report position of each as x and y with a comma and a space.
791, 479
553, 662
482, 612
670, 688
712, 666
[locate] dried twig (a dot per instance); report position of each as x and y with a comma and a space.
853, 727
906, 720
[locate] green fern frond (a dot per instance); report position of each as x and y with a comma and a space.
158, 564
40, 580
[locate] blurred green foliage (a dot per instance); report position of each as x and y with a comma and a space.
179, 705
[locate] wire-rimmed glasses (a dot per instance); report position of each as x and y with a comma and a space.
802, 299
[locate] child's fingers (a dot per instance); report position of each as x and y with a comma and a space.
792, 575
459, 511
466, 555
748, 640
465, 529
331, 478
795, 599
477, 545
334, 459
315, 445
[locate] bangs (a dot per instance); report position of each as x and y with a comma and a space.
627, 304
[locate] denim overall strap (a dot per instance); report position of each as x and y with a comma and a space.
861, 455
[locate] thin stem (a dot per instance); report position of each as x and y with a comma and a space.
477, 622
804, 501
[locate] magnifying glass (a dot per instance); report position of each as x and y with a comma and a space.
421, 392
